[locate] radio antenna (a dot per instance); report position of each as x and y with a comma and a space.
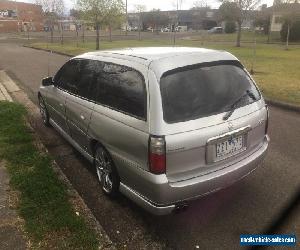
49, 55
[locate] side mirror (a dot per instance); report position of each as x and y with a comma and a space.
47, 81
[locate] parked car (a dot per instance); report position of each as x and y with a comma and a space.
181, 29
246, 28
166, 29
216, 30
150, 29
161, 125
46, 28
129, 28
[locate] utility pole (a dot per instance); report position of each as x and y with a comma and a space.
18, 28
82, 25
139, 25
62, 32
176, 23
254, 51
271, 20
126, 19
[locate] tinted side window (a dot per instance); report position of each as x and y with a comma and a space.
85, 79
76, 77
66, 76
121, 88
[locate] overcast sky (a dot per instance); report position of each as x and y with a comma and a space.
157, 4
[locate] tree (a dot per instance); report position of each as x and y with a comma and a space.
294, 34
237, 11
75, 13
162, 19
100, 12
115, 16
290, 19
262, 20
140, 9
52, 6
155, 18
53, 9
199, 4
199, 13
229, 27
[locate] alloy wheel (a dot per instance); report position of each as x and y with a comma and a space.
104, 170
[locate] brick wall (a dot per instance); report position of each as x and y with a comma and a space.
8, 26
28, 16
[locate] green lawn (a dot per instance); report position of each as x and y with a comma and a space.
50, 221
276, 70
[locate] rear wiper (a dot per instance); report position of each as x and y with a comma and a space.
234, 105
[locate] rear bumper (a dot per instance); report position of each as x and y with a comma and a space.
162, 196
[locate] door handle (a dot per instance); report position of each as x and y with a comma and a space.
82, 117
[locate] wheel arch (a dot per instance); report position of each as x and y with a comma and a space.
93, 146
93, 143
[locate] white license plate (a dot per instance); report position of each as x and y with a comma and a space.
229, 147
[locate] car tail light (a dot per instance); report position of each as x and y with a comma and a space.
157, 154
267, 120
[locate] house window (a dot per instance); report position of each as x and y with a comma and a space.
209, 14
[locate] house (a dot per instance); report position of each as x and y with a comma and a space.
280, 10
18, 16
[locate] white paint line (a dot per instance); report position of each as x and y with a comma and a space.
5, 93
8, 83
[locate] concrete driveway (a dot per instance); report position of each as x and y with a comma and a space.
214, 222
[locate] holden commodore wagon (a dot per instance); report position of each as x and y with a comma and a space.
161, 125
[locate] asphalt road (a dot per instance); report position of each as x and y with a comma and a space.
215, 221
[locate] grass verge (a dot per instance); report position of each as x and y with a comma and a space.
50, 220
277, 71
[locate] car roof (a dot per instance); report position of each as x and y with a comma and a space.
161, 59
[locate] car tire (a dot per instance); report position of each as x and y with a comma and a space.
44, 112
106, 171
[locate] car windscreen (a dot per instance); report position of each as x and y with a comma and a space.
197, 91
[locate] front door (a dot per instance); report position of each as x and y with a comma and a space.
79, 104
56, 100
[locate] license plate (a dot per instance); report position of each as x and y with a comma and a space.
229, 147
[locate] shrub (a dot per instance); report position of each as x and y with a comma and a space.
294, 31
229, 27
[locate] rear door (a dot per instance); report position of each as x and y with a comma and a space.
213, 116
119, 119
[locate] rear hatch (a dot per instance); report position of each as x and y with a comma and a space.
214, 117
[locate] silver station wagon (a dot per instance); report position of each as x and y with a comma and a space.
161, 125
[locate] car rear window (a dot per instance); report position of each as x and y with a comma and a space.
202, 90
